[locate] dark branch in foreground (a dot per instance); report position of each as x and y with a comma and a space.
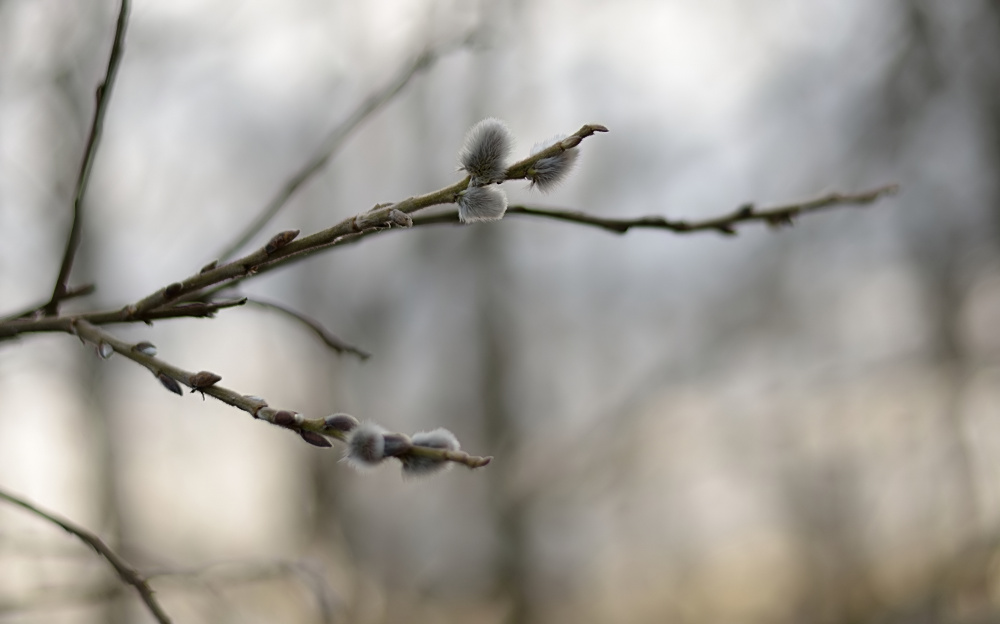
90, 152
69, 293
312, 430
777, 216
194, 309
127, 573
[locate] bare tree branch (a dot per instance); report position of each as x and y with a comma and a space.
311, 430
371, 104
777, 216
380, 217
194, 309
324, 334
383, 218
90, 152
126, 572
68, 293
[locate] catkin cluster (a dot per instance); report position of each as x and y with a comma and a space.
369, 444
484, 155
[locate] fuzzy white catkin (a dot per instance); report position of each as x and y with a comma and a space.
482, 203
547, 172
439, 438
365, 446
484, 154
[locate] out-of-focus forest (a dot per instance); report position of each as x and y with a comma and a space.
800, 425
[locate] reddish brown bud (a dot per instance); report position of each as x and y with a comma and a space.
280, 240
172, 290
203, 379
170, 384
315, 439
284, 418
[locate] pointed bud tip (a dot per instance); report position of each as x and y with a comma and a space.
315, 439
170, 384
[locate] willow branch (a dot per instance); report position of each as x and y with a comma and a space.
333, 142
126, 572
70, 293
280, 251
369, 224
312, 430
315, 326
90, 152
195, 309
776, 216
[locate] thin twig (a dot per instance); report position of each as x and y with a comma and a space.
103, 97
195, 309
367, 107
126, 572
70, 293
170, 376
777, 216
324, 334
239, 572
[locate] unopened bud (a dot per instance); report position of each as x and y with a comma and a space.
145, 348
208, 267
173, 290
280, 240
340, 422
400, 218
170, 384
284, 418
203, 379
315, 439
